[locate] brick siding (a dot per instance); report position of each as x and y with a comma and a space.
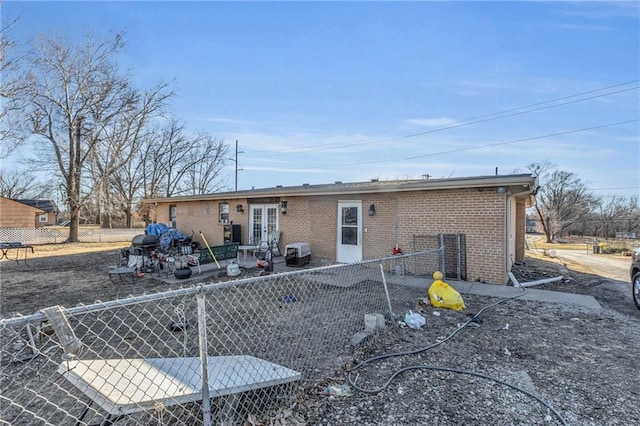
480, 215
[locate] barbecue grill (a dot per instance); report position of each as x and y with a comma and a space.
145, 243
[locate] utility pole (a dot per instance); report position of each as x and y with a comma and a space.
236, 165
236, 161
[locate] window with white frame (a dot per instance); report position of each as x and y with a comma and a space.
223, 217
173, 214
43, 218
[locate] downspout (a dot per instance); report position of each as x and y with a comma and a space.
508, 222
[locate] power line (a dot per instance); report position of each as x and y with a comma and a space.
568, 132
465, 122
611, 189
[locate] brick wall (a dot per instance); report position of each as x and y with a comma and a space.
202, 216
380, 231
480, 215
323, 225
314, 220
296, 224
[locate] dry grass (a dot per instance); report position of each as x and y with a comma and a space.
582, 243
540, 243
544, 256
62, 249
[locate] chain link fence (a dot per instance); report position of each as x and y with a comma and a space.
254, 343
59, 234
454, 252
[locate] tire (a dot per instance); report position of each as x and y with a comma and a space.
635, 288
182, 274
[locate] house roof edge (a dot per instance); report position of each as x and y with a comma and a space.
523, 181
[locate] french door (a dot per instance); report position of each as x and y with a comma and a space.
263, 219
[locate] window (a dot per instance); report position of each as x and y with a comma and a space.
223, 209
43, 218
350, 226
172, 215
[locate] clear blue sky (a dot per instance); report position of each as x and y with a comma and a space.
317, 92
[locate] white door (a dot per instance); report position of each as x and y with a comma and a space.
349, 247
263, 219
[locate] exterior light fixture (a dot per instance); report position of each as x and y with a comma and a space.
372, 210
502, 190
283, 207
239, 208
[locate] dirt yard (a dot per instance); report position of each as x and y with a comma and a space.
68, 275
64, 274
582, 362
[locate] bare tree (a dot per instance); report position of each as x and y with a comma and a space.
126, 183
562, 200
76, 96
23, 185
608, 213
170, 162
179, 163
161, 160
207, 158
540, 171
12, 85
116, 149
631, 216
176, 159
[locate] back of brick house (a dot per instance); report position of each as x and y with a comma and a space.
489, 211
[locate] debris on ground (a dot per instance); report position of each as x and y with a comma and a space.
414, 320
342, 390
442, 295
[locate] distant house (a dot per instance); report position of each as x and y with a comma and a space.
531, 226
349, 222
49, 208
27, 213
631, 235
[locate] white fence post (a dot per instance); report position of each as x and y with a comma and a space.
386, 292
204, 374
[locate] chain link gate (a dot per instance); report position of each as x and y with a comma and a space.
454, 260
212, 354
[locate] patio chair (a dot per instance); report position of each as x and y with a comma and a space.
271, 243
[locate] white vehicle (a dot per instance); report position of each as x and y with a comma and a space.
635, 277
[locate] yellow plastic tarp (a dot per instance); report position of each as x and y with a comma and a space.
442, 295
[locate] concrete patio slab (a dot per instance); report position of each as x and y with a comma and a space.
501, 291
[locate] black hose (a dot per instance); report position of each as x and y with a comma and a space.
353, 382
